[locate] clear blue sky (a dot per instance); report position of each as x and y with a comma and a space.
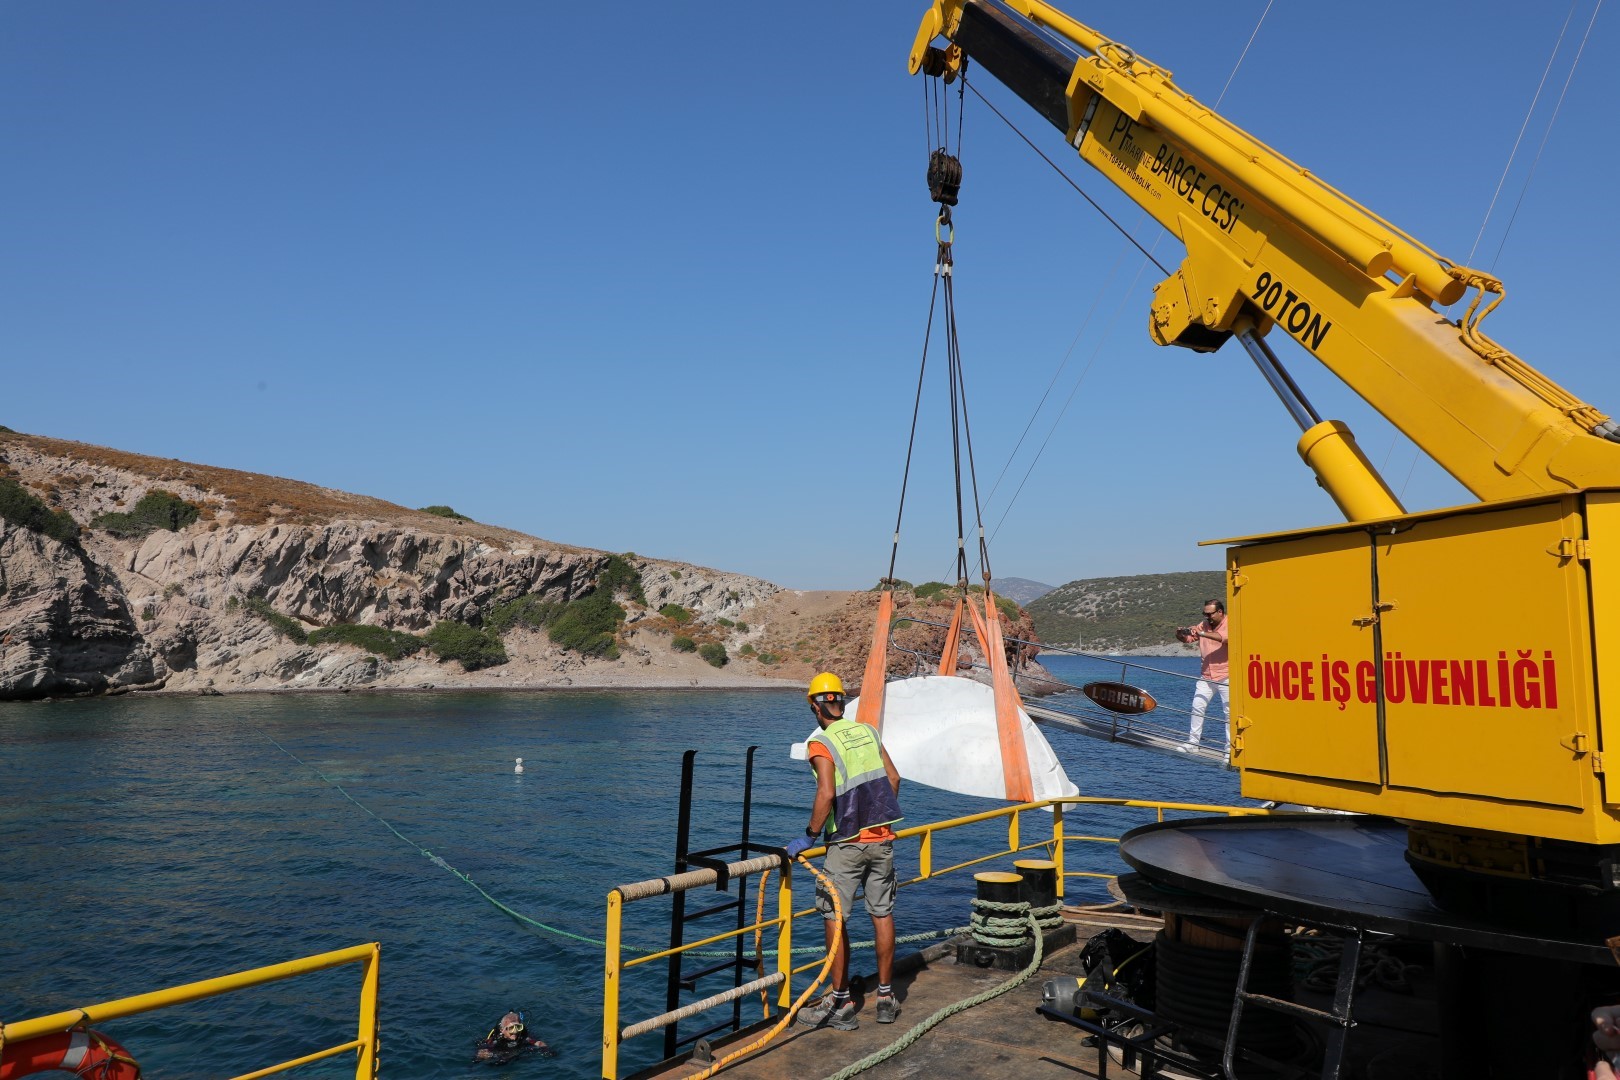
658, 282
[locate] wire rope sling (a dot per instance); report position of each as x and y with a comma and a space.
944, 187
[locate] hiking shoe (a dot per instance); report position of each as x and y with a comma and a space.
887, 1008
823, 1014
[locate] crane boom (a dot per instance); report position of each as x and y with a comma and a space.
1270, 245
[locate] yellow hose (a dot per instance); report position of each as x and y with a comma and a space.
826, 966
759, 935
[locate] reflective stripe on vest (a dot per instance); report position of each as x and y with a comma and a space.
862, 797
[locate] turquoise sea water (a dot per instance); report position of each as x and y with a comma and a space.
148, 842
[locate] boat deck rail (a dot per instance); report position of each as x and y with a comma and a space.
364, 1044
1055, 841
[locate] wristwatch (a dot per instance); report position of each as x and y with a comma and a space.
812, 833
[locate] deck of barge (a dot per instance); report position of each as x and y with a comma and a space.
1007, 1037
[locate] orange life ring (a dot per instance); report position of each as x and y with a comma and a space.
83, 1053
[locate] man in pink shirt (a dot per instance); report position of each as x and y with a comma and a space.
1210, 636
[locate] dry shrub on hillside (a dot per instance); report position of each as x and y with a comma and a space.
257, 499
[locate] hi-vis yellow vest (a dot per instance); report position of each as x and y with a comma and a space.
862, 797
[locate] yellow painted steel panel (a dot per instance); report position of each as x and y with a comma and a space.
1482, 660
1603, 527
1301, 661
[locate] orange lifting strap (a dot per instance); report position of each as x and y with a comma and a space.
1014, 755
870, 710
953, 641
1010, 729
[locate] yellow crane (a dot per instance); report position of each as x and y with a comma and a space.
1356, 682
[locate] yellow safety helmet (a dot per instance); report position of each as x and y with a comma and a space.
825, 683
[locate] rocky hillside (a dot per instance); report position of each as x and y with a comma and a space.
122, 572
1125, 614
93, 598
806, 632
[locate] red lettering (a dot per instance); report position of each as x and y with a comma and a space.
1366, 682
1482, 678
1417, 681
1462, 682
1341, 682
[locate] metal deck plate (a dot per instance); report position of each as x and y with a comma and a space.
1345, 869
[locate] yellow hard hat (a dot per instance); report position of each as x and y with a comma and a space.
825, 683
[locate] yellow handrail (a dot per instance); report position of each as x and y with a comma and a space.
365, 1042
615, 966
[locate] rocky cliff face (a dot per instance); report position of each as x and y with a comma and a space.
66, 626
104, 614
217, 605
349, 571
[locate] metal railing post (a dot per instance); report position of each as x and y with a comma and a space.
610, 988
784, 933
677, 917
366, 1067
1057, 844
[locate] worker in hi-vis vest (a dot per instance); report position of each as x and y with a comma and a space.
857, 800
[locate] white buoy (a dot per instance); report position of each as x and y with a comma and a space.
519, 766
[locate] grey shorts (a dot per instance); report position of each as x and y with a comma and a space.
869, 866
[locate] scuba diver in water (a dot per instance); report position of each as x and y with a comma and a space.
509, 1039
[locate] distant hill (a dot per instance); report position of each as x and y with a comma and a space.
1121, 614
1021, 590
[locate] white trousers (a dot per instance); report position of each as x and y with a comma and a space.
1201, 695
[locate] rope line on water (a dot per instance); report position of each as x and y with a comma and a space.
908, 939
432, 858
1033, 920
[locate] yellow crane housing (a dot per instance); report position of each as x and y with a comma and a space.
1356, 683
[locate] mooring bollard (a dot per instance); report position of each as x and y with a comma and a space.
999, 887
1038, 885
1001, 912
998, 918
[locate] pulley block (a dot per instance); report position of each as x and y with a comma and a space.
944, 178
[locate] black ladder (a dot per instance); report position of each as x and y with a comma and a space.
1338, 1016
739, 962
